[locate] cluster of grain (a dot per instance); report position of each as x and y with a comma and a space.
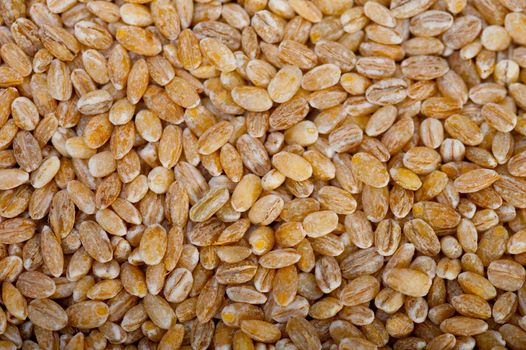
263, 174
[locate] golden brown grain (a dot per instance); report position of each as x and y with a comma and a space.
303, 174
